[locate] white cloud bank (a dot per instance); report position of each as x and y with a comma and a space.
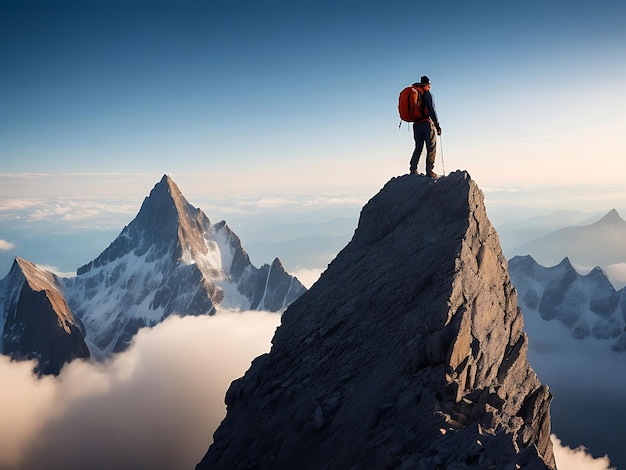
577, 459
307, 277
154, 406
617, 274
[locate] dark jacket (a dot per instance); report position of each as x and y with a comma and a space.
429, 102
430, 105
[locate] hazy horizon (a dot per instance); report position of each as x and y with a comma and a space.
63, 230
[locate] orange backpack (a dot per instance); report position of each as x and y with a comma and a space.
410, 104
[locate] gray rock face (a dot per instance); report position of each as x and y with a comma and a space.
588, 304
39, 324
409, 352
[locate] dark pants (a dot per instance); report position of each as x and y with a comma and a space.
424, 133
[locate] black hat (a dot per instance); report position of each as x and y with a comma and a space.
425, 80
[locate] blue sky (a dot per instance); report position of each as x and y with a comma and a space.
304, 94
273, 103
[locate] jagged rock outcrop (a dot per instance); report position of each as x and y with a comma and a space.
588, 305
39, 324
409, 352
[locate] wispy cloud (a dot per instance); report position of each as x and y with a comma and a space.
274, 202
6, 246
66, 210
307, 277
617, 274
14, 204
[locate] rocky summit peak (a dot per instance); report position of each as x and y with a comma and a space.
408, 352
167, 189
167, 224
39, 323
167, 208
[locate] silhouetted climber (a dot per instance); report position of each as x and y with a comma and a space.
417, 106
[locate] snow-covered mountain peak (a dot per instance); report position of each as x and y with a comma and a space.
168, 260
167, 225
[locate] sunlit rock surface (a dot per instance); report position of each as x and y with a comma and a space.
39, 324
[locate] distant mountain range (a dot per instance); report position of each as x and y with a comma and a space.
169, 260
601, 243
587, 305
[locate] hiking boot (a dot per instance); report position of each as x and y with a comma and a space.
432, 174
413, 172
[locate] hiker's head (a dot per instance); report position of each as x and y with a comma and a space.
425, 82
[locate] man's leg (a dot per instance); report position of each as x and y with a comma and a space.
431, 151
419, 137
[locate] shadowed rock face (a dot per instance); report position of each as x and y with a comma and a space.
407, 353
39, 323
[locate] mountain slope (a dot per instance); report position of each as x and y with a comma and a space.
409, 352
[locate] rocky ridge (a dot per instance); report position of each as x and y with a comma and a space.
409, 352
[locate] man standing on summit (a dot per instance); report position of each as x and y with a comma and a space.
425, 129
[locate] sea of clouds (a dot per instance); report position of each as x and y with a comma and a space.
155, 405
